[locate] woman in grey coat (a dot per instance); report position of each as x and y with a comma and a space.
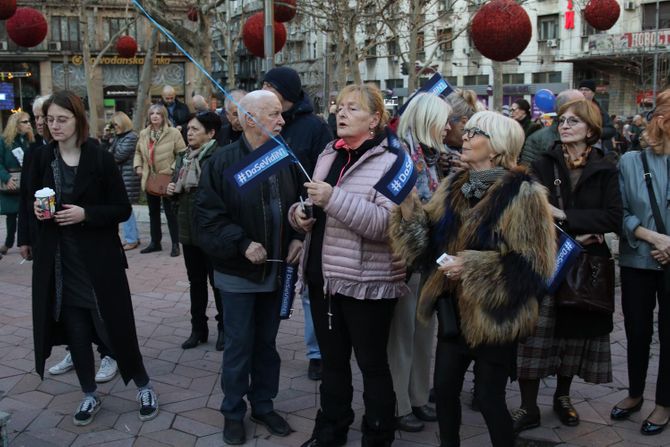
122, 148
644, 255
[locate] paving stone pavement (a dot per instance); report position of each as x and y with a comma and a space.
188, 382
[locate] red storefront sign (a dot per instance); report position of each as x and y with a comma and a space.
647, 39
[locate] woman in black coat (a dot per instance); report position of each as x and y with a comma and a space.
122, 148
571, 342
80, 296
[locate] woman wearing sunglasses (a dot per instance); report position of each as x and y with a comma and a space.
15, 140
494, 222
569, 342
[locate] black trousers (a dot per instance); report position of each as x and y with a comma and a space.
640, 290
154, 203
199, 269
361, 325
11, 230
451, 362
82, 328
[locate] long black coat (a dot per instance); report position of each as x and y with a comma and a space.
594, 207
99, 190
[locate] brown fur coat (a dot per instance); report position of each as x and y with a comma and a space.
507, 242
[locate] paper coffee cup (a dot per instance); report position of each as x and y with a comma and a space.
46, 198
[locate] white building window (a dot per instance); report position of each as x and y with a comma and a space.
547, 27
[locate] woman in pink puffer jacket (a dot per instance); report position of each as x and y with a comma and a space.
353, 276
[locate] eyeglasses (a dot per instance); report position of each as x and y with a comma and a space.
571, 122
471, 132
24, 121
513, 109
58, 119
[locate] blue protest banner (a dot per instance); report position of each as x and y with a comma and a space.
436, 85
289, 278
567, 252
260, 164
398, 182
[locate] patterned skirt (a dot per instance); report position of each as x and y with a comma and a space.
542, 355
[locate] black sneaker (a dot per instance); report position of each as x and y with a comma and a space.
523, 420
233, 432
86, 410
148, 404
315, 369
275, 424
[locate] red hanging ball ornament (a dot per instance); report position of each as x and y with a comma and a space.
602, 14
192, 13
284, 10
27, 27
126, 46
7, 9
501, 30
252, 35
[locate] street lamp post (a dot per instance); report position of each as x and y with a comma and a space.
656, 49
269, 35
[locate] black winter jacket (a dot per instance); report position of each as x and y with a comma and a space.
227, 222
594, 207
305, 133
123, 150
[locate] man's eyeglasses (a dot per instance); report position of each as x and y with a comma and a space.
513, 109
58, 119
471, 132
571, 122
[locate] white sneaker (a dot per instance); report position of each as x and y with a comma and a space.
107, 371
63, 366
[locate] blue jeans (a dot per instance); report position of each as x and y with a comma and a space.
311, 343
250, 361
130, 230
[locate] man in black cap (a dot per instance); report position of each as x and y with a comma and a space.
304, 132
307, 135
588, 88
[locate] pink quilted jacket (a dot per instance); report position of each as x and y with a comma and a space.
357, 259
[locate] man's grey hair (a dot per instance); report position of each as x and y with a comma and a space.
199, 103
253, 101
236, 95
566, 96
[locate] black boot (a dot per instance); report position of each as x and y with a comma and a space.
153, 246
377, 433
194, 339
219, 341
175, 250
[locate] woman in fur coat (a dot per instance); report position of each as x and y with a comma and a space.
495, 223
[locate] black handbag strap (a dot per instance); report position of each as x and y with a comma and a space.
660, 226
557, 185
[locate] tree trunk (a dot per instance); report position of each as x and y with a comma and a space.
497, 99
94, 108
414, 10
143, 97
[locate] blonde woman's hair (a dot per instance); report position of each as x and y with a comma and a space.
656, 132
506, 136
371, 100
12, 128
123, 121
464, 103
163, 111
425, 118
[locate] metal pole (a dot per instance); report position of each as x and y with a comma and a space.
326, 81
655, 73
269, 35
20, 93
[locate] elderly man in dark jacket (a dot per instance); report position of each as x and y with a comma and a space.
307, 134
178, 112
248, 237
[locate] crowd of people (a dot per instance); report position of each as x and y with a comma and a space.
468, 255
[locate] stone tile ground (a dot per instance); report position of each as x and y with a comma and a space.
188, 381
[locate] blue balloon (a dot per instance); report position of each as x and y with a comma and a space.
545, 100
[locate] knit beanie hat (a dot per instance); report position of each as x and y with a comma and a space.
286, 81
588, 83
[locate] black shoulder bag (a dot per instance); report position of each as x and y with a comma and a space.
656, 212
589, 284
